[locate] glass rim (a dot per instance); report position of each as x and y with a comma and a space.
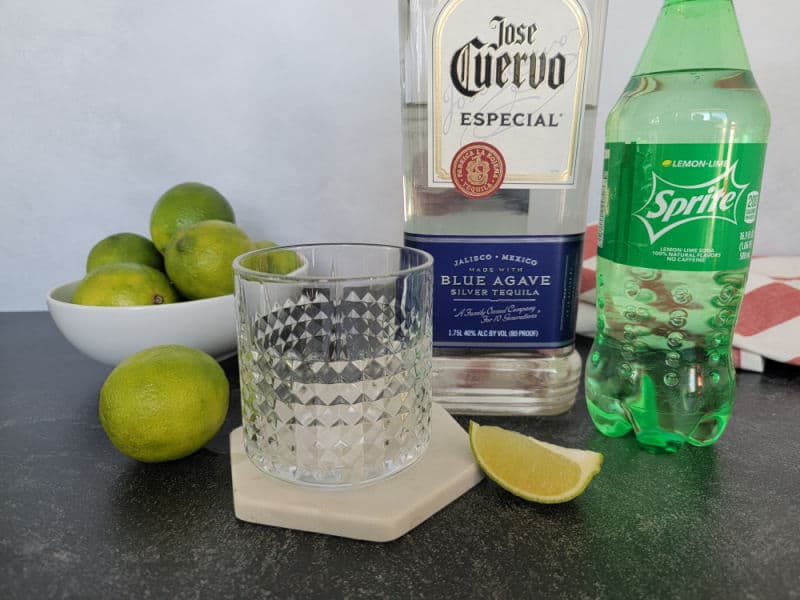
240, 270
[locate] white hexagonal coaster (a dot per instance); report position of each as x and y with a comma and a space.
378, 512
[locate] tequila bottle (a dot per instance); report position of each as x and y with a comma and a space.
499, 100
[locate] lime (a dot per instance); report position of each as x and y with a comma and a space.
124, 284
531, 469
164, 403
279, 262
124, 248
184, 204
199, 258
282, 262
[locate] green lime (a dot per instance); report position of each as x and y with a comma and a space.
279, 262
124, 248
532, 469
164, 403
185, 204
199, 258
282, 262
124, 284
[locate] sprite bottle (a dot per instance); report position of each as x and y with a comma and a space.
684, 154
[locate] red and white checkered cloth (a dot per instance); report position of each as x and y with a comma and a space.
769, 319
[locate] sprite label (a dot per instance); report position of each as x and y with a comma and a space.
682, 207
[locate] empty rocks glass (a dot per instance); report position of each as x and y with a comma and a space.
334, 360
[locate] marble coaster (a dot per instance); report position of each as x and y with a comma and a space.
379, 512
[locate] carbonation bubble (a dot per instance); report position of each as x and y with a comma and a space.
630, 312
671, 379
627, 352
678, 318
595, 358
646, 296
629, 332
715, 377
644, 274
675, 339
682, 295
631, 288
713, 356
728, 294
725, 317
642, 313
625, 370
732, 278
672, 359
717, 338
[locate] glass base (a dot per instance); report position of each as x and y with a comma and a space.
333, 478
506, 383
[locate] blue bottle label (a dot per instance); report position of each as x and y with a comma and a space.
503, 292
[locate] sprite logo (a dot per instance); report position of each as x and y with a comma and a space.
684, 207
671, 204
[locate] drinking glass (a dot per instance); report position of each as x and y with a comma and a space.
334, 360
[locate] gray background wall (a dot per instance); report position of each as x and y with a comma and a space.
289, 107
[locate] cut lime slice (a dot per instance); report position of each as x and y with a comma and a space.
533, 470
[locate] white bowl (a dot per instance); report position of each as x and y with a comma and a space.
111, 333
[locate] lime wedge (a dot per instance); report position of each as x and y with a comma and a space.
533, 470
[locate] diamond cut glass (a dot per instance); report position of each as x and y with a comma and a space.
335, 360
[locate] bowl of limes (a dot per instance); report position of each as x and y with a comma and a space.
175, 287
110, 334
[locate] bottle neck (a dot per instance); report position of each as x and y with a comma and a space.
694, 35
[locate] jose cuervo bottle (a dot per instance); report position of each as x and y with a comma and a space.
499, 104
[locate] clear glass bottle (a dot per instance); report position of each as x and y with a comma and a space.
499, 101
685, 146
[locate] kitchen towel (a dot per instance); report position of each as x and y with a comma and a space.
769, 319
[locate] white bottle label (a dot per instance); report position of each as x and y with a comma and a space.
506, 94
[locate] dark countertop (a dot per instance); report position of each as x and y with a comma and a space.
80, 520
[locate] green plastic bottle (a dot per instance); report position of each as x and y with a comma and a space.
685, 149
